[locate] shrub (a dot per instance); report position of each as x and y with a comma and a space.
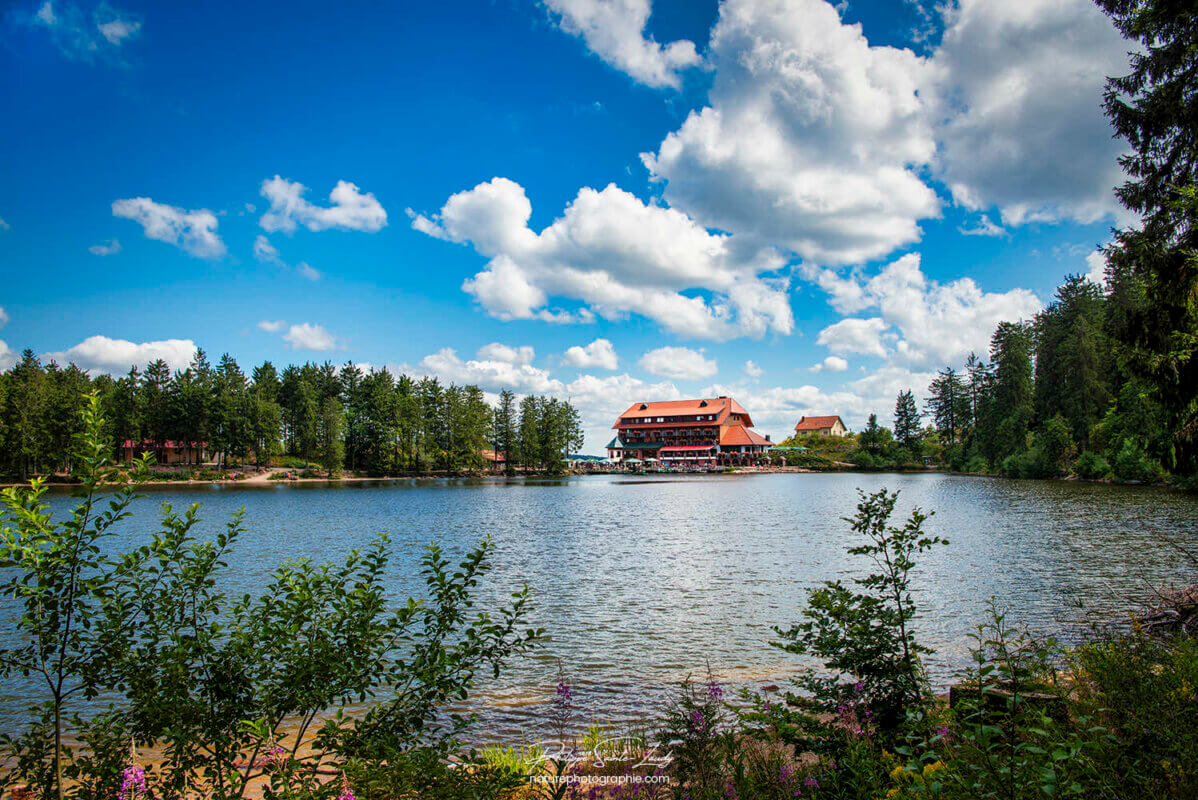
976, 463
864, 638
211, 678
1021, 465
1132, 463
1091, 466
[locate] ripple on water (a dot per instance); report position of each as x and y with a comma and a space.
644, 582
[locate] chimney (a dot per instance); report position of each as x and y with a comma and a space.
767, 437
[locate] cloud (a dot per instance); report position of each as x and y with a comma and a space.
930, 323
84, 37
4, 226
192, 231
489, 373
3, 317
614, 30
107, 248
679, 363
775, 410
616, 255
1096, 261
118, 29
100, 354
598, 354
1018, 89
752, 370
984, 227
812, 140
307, 336
266, 252
495, 351
271, 326
307, 271
831, 364
600, 400
349, 208
855, 336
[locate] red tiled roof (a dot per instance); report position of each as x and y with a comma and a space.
738, 435
491, 455
720, 406
817, 423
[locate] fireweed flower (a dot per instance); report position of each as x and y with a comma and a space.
346, 792
714, 690
564, 695
811, 783
698, 720
133, 782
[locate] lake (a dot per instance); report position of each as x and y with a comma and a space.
641, 580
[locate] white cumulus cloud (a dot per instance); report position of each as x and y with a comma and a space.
752, 370
599, 354
813, 139
271, 326
931, 323
855, 336
101, 354
497, 351
679, 363
1096, 274
350, 209
614, 30
831, 364
489, 373
192, 231
307, 336
1018, 89
616, 255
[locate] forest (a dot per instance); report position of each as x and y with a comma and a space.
1059, 394
340, 418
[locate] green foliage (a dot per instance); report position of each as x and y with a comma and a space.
976, 463
68, 598
220, 682
1153, 268
1132, 463
334, 418
864, 637
1142, 690
907, 422
1091, 466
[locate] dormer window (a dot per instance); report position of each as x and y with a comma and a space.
703, 404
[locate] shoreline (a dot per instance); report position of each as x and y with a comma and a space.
262, 478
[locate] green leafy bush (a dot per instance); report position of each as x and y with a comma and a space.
1132, 463
1091, 466
976, 463
864, 637
221, 683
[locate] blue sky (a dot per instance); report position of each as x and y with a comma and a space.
608, 200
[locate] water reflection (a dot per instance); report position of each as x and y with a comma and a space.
642, 581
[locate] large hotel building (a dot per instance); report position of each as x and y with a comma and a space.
687, 433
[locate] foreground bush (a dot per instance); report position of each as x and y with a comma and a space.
235, 691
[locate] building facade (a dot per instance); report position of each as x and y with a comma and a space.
707, 432
823, 426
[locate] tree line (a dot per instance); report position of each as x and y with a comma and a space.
338, 417
1058, 393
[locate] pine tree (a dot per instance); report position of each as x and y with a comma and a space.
504, 428
907, 421
1153, 268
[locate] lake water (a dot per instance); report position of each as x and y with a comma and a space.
642, 580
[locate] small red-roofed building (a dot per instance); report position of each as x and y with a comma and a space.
823, 426
705, 432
